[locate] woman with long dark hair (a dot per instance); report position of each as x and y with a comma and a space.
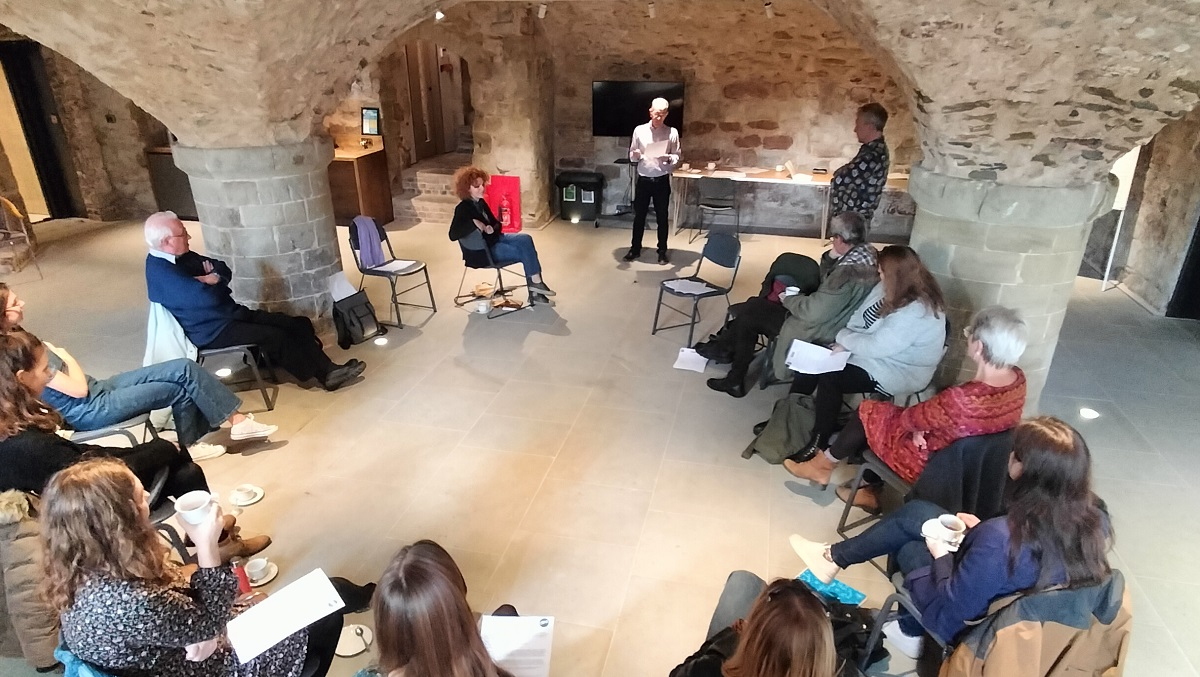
785, 633
31, 451
423, 624
1055, 533
128, 610
895, 339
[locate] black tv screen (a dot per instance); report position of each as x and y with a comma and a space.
619, 106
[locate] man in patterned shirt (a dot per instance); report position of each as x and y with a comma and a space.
857, 185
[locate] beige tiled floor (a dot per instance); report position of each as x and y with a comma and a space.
571, 471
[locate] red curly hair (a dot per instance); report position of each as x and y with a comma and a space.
466, 177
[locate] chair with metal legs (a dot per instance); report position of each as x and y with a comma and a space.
392, 269
723, 250
475, 243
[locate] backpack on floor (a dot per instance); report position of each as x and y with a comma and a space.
354, 318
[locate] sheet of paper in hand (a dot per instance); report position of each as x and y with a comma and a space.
519, 644
298, 605
809, 358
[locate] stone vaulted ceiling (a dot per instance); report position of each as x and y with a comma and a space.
1043, 92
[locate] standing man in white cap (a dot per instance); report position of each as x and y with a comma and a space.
655, 149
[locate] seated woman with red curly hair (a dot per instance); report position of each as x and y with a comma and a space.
474, 214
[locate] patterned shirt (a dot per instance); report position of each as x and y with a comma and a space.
857, 185
135, 629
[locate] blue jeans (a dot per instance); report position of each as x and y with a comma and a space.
198, 401
517, 247
899, 534
741, 589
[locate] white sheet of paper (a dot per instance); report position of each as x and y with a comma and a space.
394, 266
340, 287
519, 644
688, 286
691, 360
655, 150
809, 358
296, 606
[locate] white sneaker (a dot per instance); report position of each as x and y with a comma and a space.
908, 645
250, 429
813, 554
202, 451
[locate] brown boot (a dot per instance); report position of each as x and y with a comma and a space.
227, 524
817, 469
243, 547
867, 497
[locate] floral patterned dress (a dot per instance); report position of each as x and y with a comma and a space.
137, 629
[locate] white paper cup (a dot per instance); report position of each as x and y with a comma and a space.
195, 506
256, 569
685, 166
482, 306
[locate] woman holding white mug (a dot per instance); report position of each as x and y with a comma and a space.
1056, 532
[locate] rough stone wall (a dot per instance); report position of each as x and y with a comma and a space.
758, 92
1168, 207
107, 135
8, 182
396, 112
1045, 93
344, 123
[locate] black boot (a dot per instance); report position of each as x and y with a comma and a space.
734, 386
807, 452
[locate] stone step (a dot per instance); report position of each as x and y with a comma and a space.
435, 208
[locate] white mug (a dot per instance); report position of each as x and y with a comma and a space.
953, 529
256, 569
711, 166
685, 166
483, 306
195, 506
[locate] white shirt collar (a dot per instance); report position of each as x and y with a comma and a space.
162, 255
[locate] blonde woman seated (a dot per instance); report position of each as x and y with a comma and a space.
905, 437
130, 612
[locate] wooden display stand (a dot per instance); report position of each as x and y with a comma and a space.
358, 184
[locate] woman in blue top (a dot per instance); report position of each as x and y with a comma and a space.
1056, 533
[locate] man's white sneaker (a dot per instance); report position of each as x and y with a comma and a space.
249, 429
202, 451
908, 645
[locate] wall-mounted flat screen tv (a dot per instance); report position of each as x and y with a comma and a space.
619, 106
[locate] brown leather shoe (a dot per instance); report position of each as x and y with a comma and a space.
227, 523
817, 469
243, 547
867, 497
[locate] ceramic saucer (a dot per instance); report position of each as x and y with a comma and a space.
256, 495
272, 572
351, 643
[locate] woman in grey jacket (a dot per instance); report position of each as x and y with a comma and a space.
895, 340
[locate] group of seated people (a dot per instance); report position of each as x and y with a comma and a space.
127, 609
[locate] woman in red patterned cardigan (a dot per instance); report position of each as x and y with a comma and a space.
904, 437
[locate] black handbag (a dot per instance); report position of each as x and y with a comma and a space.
355, 321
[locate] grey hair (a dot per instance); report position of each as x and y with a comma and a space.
158, 228
660, 103
851, 227
874, 114
1001, 333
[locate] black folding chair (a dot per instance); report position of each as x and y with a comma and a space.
723, 250
390, 269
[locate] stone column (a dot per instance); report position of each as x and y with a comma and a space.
266, 211
1018, 246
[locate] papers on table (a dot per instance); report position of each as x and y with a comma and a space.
394, 266
519, 644
688, 286
656, 150
726, 174
808, 358
269, 622
691, 360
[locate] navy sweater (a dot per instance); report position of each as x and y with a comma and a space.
950, 593
203, 310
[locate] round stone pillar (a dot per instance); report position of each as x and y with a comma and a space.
1017, 246
266, 211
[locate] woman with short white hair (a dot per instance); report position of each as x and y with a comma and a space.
905, 437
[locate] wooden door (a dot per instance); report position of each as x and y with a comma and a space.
425, 97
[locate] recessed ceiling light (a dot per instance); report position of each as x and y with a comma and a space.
1089, 413
381, 341
224, 372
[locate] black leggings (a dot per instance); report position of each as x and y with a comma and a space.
324, 634
829, 390
752, 317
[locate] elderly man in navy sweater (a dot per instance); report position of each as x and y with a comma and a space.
195, 289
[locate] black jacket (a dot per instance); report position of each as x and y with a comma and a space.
463, 225
712, 655
29, 458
